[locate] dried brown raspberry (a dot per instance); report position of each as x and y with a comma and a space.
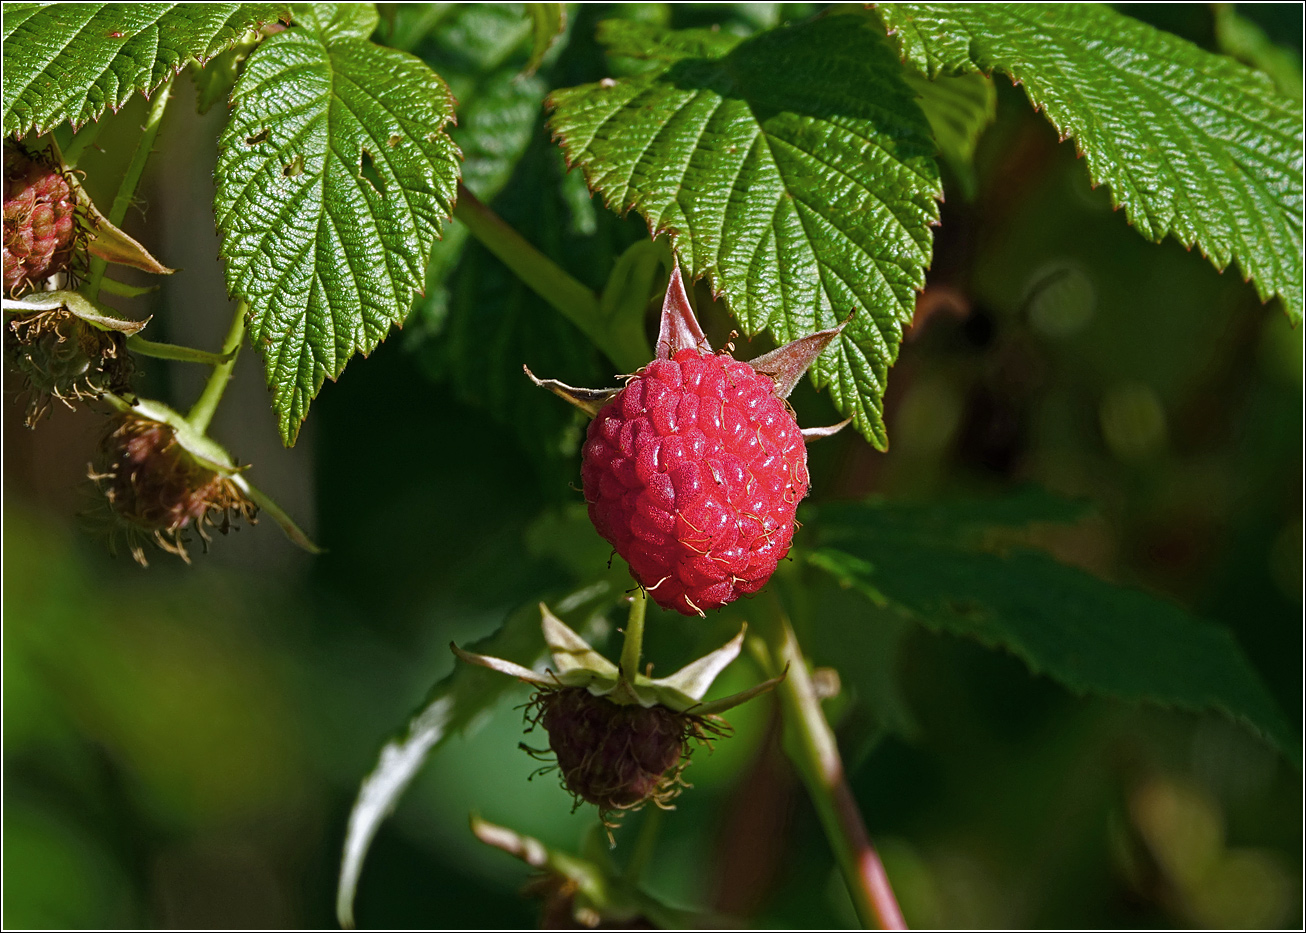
157, 488
618, 756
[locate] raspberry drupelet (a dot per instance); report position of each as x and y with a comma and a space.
41, 224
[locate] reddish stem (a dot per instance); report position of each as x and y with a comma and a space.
811, 745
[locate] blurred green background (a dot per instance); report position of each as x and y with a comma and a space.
182, 744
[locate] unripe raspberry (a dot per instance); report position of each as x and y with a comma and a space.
693, 472
615, 756
63, 356
40, 220
157, 489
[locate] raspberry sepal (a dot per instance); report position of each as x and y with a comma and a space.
577, 664
67, 348
620, 740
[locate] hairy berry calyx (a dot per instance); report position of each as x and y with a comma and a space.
62, 356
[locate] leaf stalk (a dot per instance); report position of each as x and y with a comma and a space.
130, 180
202, 412
572, 299
172, 351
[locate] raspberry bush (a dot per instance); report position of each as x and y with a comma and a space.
1094, 482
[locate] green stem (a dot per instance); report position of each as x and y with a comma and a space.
811, 745
171, 351
202, 413
127, 190
81, 142
571, 298
634, 643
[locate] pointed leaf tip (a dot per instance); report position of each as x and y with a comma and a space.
787, 364
679, 329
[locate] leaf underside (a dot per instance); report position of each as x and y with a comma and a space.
935, 566
794, 169
1190, 143
335, 175
71, 61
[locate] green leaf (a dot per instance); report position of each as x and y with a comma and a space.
69, 61
794, 169
549, 21
959, 110
334, 177
1190, 143
481, 50
957, 573
1241, 38
480, 323
452, 707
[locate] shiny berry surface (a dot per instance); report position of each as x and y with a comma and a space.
693, 472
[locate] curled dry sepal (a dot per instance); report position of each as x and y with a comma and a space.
587, 890
162, 479
621, 739
694, 469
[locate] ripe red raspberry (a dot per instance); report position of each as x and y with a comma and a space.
694, 469
40, 219
693, 473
